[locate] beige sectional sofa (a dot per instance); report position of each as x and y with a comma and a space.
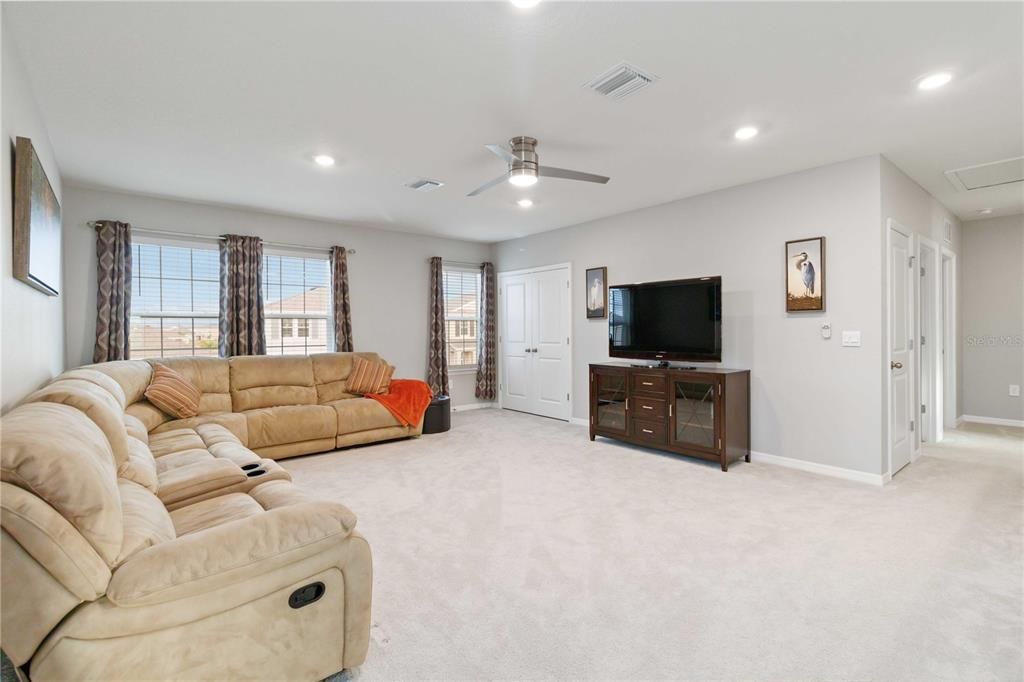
136, 546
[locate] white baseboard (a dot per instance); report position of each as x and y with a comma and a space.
579, 421
473, 406
815, 468
995, 421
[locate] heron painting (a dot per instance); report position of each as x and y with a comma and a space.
805, 275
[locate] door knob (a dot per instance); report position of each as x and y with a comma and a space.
895, 365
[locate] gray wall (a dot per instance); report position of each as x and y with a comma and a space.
811, 398
388, 273
32, 329
992, 264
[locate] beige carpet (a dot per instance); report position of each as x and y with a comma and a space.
512, 547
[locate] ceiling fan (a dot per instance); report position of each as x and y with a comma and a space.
524, 166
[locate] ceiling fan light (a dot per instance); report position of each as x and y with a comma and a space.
525, 4
523, 177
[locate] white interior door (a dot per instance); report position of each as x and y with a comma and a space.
536, 363
901, 331
514, 330
551, 371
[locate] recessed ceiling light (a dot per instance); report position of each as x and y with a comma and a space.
525, 4
525, 203
745, 133
934, 81
324, 160
985, 211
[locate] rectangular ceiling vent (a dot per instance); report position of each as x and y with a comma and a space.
424, 184
621, 80
987, 174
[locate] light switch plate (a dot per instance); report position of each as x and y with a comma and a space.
1014, 390
851, 339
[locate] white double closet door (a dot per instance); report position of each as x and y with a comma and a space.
535, 340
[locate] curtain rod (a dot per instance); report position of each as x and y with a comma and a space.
459, 262
192, 235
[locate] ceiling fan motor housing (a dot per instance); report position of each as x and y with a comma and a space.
525, 151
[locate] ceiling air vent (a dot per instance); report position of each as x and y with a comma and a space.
620, 81
987, 174
424, 184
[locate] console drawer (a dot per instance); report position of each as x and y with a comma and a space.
649, 383
648, 408
651, 432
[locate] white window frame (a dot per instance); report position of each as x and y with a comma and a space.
471, 368
164, 314
328, 316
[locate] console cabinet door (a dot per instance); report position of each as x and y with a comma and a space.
694, 406
609, 401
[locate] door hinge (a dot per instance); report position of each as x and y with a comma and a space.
566, 284
911, 426
910, 262
922, 271
924, 409
566, 396
922, 339
910, 344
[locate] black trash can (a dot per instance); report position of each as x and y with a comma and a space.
438, 418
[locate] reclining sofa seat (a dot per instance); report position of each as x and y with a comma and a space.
134, 545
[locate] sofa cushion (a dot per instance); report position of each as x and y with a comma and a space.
146, 520
261, 381
135, 428
96, 403
232, 421
290, 424
148, 414
370, 376
214, 512
169, 442
61, 456
102, 380
331, 372
140, 467
210, 375
361, 414
131, 375
173, 393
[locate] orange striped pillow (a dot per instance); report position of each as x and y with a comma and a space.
173, 393
369, 376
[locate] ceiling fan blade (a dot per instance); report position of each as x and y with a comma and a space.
487, 185
499, 151
566, 174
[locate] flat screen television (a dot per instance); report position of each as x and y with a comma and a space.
674, 320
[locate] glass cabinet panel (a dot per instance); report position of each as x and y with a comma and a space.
693, 413
610, 401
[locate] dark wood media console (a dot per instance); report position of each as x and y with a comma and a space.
702, 413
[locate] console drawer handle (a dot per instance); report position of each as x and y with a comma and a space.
647, 431
647, 407
646, 383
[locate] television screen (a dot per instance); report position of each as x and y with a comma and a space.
675, 320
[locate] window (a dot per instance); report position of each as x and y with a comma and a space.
175, 299
462, 316
297, 304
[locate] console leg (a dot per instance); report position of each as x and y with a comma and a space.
747, 457
725, 466
591, 436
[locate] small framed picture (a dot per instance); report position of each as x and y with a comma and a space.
597, 293
805, 275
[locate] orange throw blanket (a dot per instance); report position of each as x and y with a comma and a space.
407, 399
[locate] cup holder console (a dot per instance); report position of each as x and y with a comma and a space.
255, 472
250, 466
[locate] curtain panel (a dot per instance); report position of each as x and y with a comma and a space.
113, 290
486, 364
341, 301
241, 296
437, 358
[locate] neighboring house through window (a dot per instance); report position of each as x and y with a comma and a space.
297, 304
462, 315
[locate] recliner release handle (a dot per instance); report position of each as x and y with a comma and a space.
306, 595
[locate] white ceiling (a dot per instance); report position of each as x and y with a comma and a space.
227, 103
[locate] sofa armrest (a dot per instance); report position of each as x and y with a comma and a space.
229, 553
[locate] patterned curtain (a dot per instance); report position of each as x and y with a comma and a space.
241, 296
342, 303
486, 372
437, 359
113, 290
